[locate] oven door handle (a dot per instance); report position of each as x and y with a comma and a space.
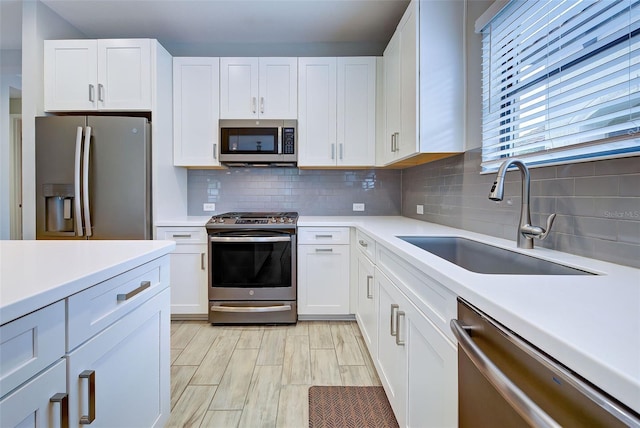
519, 401
249, 238
277, 308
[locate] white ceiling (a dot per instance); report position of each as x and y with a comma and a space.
230, 27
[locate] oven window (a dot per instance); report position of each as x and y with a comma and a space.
250, 140
251, 264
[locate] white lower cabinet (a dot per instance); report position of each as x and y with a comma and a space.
417, 364
120, 377
189, 268
31, 404
367, 292
323, 271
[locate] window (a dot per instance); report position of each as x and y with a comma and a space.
561, 81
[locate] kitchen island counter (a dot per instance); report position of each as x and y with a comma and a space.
34, 274
590, 323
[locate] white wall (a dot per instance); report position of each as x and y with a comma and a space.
10, 69
38, 24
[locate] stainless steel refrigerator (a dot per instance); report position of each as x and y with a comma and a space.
93, 177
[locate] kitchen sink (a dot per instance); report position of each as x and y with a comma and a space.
484, 258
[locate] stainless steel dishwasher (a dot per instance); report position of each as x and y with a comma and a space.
504, 381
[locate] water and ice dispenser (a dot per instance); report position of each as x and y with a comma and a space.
59, 208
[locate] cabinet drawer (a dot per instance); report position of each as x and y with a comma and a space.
323, 235
366, 245
436, 301
95, 308
29, 344
183, 235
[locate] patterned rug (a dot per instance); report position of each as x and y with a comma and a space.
350, 406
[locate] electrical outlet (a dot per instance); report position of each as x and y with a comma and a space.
358, 207
208, 207
419, 209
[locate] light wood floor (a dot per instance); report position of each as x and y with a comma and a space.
259, 376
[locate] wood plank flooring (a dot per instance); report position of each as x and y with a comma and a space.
259, 376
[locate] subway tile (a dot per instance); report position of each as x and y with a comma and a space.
601, 228
629, 232
630, 165
583, 169
596, 186
629, 185
617, 252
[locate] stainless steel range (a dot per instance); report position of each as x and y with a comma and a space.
252, 268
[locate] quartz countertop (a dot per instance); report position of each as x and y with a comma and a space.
591, 324
34, 274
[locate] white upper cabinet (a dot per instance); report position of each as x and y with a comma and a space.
258, 88
90, 75
424, 85
336, 115
196, 110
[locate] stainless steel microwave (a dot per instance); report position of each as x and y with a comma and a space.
258, 142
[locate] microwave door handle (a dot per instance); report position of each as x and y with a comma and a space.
85, 181
77, 168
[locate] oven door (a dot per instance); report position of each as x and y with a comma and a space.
252, 265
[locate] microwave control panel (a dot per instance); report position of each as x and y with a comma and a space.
288, 141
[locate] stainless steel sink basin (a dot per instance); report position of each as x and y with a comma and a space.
484, 258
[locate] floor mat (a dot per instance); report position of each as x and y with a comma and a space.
349, 406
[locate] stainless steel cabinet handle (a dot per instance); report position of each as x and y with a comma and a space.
397, 148
363, 243
398, 315
261, 104
341, 147
324, 250
63, 399
202, 261
392, 145
92, 93
100, 92
215, 151
522, 404
253, 105
91, 375
324, 236
394, 308
369, 280
276, 308
143, 286
187, 235
333, 151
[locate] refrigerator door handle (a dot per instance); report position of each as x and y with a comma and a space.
76, 183
85, 181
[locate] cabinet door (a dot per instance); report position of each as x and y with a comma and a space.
70, 75
189, 280
391, 63
432, 394
124, 74
356, 111
239, 88
366, 303
30, 405
392, 357
323, 279
408, 139
278, 88
130, 365
196, 109
317, 111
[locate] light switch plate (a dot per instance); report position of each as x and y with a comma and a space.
358, 207
419, 209
208, 207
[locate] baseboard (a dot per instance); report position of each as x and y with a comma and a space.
345, 317
189, 317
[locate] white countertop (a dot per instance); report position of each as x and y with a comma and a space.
34, 274
589, 323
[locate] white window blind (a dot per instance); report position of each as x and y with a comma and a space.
561, 81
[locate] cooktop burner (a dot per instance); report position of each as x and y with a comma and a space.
253, 219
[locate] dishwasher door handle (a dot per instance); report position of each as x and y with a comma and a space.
520, 402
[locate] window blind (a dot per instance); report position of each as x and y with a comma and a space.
561, 81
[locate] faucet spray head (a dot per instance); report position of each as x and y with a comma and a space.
497, 189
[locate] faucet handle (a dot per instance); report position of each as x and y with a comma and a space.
550, 221
537, 231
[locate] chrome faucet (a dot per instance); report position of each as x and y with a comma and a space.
526, 232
